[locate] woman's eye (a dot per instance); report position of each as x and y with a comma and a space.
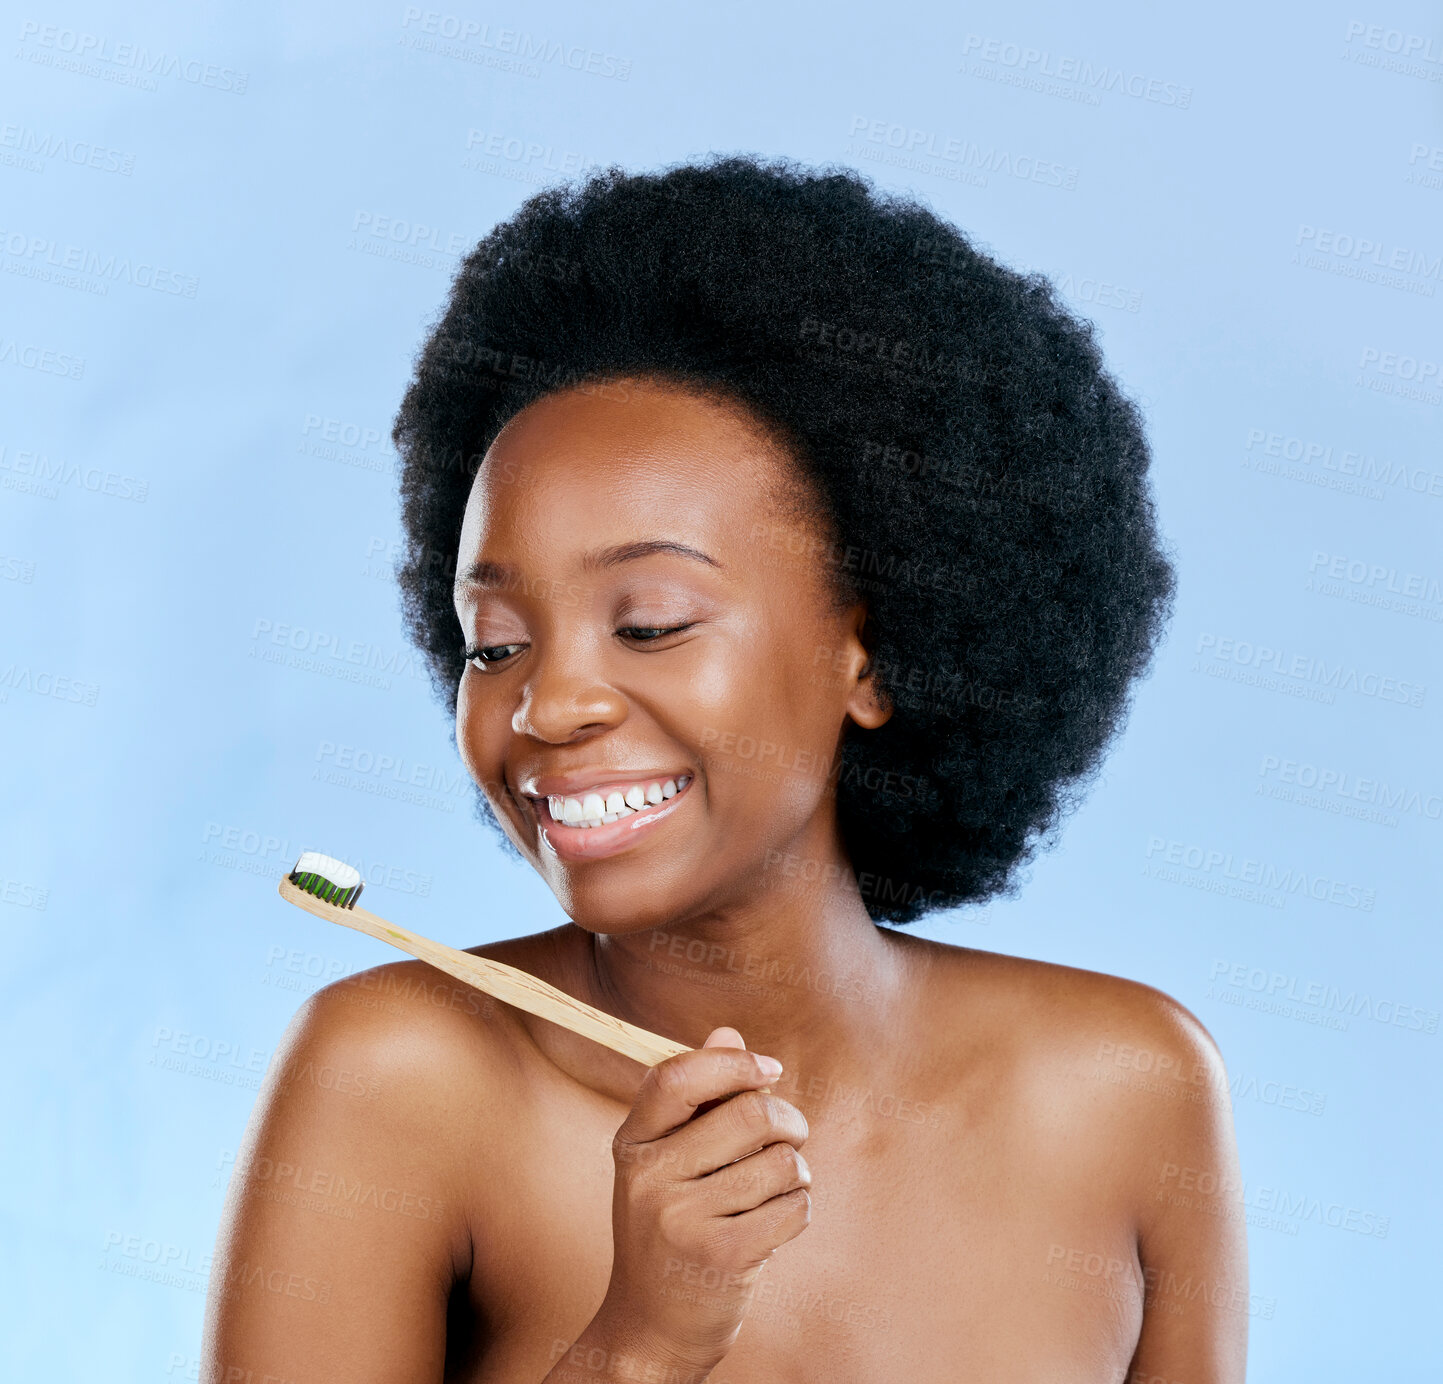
645, 634
487, 656
484, 655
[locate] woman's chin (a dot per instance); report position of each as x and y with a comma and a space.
617, 917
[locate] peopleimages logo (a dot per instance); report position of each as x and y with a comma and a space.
1391, 50
25, 252
1376, 584
1330, 1005
1300, 673
31, 145
1087, 79
95, 54
464, 31
1263, 443
1400, 259
1352, 787
1263, 874
911, 144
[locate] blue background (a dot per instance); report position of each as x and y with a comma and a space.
219, 255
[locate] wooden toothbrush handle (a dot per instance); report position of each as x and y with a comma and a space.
515, 987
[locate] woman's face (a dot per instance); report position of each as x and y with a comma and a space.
644, 614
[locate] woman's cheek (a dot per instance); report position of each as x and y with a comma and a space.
756, 724
473, 735
465, 721
733, 685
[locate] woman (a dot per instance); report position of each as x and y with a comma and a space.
786, 563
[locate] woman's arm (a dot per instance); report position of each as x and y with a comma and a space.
343, 1232
1192, 1236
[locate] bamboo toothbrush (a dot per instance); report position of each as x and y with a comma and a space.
329, 889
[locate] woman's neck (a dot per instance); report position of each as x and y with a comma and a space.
799, 969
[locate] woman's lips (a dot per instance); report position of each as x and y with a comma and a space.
595, 843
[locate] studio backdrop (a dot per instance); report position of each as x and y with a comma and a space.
224, 234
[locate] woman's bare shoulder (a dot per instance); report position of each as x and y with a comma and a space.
1098, 1086
386, 1094
1109, 1065
1111, 1099
1062, 1012
420, 1029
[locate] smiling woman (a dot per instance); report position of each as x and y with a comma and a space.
650, 627
786, 567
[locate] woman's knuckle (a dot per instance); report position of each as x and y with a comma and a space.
670, 1079
794, 1167
753, 1111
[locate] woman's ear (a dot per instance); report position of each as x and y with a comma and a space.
867, 704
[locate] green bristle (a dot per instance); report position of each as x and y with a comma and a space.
325, 889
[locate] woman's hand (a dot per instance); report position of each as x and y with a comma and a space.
706, 1190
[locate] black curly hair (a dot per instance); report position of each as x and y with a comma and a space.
983, 477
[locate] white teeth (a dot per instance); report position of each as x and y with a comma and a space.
594, 810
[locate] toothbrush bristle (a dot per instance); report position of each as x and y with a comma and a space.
329, 879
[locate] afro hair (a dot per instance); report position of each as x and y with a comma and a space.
984, 478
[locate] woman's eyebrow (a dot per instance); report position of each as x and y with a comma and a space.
491, 574
625, 552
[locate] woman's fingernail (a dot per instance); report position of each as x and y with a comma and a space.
771, 1068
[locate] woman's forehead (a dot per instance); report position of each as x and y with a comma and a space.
593, 465
645, 418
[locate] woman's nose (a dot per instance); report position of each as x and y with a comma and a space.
564, 700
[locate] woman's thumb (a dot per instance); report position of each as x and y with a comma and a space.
724, 1038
